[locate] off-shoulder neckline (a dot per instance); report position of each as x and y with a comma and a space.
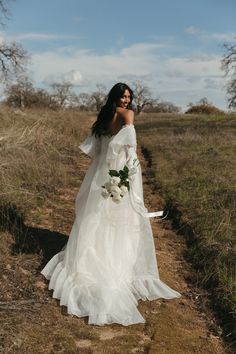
123, 126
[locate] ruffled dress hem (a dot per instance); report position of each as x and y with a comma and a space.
103, 304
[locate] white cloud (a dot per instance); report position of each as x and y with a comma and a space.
142, 48
133, 77
72, 76
178, 78
205, 36
203, 57
192, 30
2, 37
212, 84
198, 67
174, 78
221, 37
136, 60
37, 37
43, 37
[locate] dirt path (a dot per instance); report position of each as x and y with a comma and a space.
172, 326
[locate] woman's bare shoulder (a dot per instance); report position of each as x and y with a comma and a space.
126, 114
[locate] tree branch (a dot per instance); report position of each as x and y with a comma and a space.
4, 12
228, 64
13, 58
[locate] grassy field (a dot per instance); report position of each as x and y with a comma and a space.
33, 149
39, 156
193, 164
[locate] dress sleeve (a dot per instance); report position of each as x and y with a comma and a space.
125, 139
90, 146
136, 188
132, 160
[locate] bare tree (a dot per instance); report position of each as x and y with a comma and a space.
85, 101
163, 107
4, 12
231, 90
13, 57
204, 101
142, 95
62, 93
22, 94
228, 64
17, 93
99, 96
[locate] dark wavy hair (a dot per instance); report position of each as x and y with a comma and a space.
107, 111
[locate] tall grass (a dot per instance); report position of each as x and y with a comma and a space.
34, 147
194, 163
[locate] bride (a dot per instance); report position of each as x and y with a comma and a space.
109, 261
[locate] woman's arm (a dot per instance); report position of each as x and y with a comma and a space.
128, 116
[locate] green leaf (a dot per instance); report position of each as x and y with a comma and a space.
126, 183
126, 169
113, 173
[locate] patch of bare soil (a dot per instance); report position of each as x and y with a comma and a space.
33, 322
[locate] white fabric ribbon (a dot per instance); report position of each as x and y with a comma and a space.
139, 207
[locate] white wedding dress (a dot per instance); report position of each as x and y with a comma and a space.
109, 261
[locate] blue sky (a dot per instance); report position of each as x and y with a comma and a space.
174, 47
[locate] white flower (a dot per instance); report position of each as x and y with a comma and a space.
108, 185
115, 190
115, 180
116, 198
105, 193
112, 189
124, 189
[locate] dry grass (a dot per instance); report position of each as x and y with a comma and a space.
194, 167
42, 168
33, 149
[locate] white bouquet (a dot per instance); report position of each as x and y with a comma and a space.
118, 185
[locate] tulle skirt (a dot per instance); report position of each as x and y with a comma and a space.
107, 265
109, 261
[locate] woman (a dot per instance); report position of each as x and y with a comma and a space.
109, 261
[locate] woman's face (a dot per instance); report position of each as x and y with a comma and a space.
124, 100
